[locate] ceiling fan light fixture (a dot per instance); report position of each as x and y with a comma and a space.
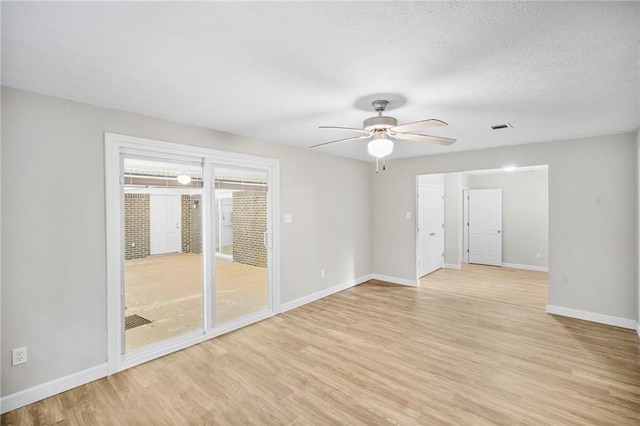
380, 146
184, 179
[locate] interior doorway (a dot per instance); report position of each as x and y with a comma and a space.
224, 224
430, 228
521, 277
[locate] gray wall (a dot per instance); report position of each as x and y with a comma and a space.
437, 179
452, 219
53, 256
592, 216
53, 242
525, 218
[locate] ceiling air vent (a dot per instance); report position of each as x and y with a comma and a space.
502, 126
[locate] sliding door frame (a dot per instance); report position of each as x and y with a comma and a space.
116, 146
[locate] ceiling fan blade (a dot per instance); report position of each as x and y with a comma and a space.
341, 140
418, 125
353, 129
423, 138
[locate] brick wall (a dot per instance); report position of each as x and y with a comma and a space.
249, 224
195, 224
184, 225
191, 211
136, 226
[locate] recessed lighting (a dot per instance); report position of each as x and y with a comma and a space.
509, 168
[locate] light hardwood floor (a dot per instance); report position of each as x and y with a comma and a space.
516, 286
377, 354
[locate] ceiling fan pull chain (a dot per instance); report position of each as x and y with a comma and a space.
376, 165
384, 165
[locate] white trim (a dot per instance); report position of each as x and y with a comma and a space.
113, 263
638, 328
591, 316
284, 307
525, 267
52, 387
452, 266
395, 280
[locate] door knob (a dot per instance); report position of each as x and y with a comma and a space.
499, 231
432, 234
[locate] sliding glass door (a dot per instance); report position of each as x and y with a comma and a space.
190, 245
242, 242
163, 294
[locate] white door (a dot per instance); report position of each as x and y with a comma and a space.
164, 224
485, 226
430, 253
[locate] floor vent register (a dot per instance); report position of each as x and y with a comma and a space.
134, 321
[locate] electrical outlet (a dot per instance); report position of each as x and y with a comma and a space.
19, 356
322, 273
538, 255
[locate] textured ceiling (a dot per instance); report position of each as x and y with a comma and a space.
276, 71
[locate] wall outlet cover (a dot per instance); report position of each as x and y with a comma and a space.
19, 356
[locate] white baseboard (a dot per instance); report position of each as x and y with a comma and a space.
638, 328
53, 387
395, 280
284, 307
526, 267
592, 316
452, 266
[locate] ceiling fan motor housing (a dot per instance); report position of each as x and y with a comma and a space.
380, 122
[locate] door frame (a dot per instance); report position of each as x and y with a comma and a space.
465, 225
116, 146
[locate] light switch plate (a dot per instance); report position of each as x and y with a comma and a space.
288, 218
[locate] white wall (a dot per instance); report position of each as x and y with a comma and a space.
53, 225
525, 218
592, 216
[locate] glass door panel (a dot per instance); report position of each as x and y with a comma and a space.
162, 250
241, 242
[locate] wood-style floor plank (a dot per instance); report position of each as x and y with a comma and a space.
377, 354
509, 285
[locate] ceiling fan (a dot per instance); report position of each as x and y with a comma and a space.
380, 128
